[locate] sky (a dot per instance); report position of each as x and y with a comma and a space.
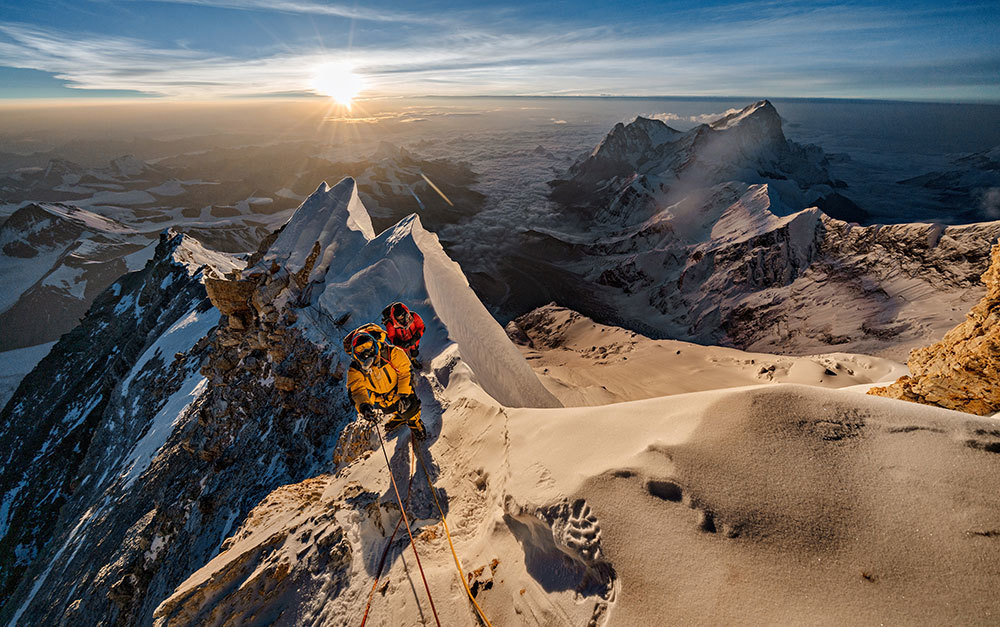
223, 49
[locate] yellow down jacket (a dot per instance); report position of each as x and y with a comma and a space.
383, 384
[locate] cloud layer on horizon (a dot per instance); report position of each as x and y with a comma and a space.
777, 49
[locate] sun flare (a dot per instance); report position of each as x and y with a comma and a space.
338, 81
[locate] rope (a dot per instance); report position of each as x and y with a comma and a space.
402, 511
461, 571
385, 553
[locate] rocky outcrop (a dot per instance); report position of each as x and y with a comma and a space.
962, 371
277, 564
53, 422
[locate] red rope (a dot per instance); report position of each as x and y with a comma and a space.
458, 564
407, 522
385, 553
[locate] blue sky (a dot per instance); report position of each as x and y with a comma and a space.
209, 49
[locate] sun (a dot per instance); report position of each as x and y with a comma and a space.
338, 81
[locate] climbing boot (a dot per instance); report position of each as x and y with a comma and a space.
417, 428
393, 422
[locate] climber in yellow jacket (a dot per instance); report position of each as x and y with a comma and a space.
379, 378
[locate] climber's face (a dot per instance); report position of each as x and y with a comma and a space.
365, 352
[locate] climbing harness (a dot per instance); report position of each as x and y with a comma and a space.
406, 522
461, 571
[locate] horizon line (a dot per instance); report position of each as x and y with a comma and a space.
16, 102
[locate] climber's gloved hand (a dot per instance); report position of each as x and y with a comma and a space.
405, 402
367, 411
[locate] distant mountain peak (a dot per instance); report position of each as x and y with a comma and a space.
653, 124
642, 165
760, 110
628, 142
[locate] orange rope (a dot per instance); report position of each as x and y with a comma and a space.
461, 571
385, 553
407, 522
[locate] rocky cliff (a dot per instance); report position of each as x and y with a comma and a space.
72, 412
962, 371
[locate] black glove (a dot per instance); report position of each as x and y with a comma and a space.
404, 403
367, 411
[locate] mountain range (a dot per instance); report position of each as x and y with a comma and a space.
684, 433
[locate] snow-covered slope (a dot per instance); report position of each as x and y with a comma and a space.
765, 504
182, 450
549, 512
759, 505
354, 274
585, 363
407, 263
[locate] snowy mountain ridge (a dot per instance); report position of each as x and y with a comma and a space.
171, 424
222, 474
714, 236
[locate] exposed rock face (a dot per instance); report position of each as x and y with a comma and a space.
182, 449
962, 371
52, 425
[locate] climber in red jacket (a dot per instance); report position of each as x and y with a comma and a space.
404, 328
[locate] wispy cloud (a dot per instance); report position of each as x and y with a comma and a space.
130, 64
778, 48
311, 7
